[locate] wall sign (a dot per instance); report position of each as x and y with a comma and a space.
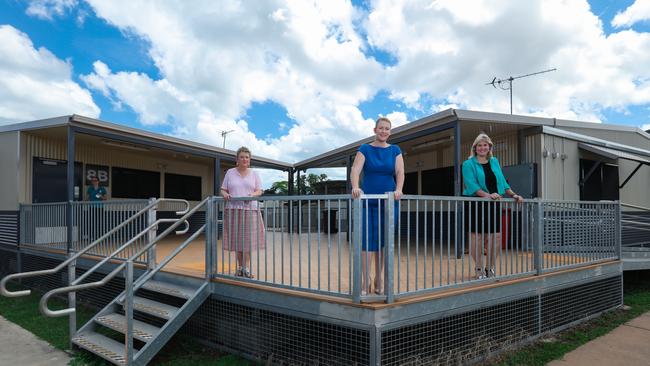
99, 171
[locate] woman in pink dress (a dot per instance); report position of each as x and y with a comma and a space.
243, 225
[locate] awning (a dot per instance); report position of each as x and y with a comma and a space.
614, 154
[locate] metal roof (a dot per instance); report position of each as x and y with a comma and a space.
112, 130
550, 126
614, 154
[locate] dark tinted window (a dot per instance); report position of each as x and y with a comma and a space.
133, 183
602, 184
186, 187
438, 182
410, 183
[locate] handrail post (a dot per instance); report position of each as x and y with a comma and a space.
72, 302
69, 227
389, 232
151, 218
128, 308
356, 247
617, 230
209, 234
539, 236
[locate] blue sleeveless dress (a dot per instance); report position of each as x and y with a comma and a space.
378, 178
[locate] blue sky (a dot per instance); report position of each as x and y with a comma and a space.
194, 80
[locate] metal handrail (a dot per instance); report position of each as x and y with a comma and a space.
3, 282
77, 287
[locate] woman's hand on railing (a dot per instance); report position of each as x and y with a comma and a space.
495, 196
356, 193
398, 195
518, 198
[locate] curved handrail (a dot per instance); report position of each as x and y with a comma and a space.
6, 279
45, 310
186, 202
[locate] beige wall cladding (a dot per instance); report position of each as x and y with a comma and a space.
560, 169
637, 189
100, 154
9, 183
505, 149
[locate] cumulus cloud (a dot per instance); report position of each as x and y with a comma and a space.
315, 59
307, 57
447, 52
35, 84
48, 9
637, 12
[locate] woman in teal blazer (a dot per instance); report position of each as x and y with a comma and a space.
483, 177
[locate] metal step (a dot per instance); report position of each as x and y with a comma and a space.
155, 308
169, 289
141, 330
102, 346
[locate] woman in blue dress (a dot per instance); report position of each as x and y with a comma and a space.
383, 171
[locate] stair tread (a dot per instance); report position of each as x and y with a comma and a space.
155, 308
169, 289
141, 330
102, 346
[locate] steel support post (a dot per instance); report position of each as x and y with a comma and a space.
539, 237
389, 259
356, 247
72, 302
128, 309
151, 236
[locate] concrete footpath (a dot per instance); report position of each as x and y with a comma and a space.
628, 345
20, 347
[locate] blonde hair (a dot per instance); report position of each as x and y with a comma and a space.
482, 137
383, 119
243, 149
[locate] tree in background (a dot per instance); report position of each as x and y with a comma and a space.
307, 185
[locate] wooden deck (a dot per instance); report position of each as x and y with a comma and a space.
322, 262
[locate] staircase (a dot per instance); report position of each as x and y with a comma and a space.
181, 301
134, 326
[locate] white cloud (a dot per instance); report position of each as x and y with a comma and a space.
312, 59
646, 127
443, 53
637, 12
48, 9
304, 56
35, 84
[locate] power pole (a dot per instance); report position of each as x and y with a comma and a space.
506, 84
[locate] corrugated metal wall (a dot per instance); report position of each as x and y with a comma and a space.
38, 146
505, 149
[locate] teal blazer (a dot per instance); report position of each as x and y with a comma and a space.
474, 177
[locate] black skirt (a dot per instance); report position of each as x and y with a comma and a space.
483, 216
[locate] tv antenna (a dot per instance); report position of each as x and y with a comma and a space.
506, 84
224, 133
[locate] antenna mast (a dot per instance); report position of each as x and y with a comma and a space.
224, 133
506, 84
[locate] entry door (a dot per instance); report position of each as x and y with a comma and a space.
49, 180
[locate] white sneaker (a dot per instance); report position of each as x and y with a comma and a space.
480, 274
490, 273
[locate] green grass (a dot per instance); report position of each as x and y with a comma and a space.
180, 351
637, 297
24, 312
184, 351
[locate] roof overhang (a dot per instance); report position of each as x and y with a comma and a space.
614, 154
